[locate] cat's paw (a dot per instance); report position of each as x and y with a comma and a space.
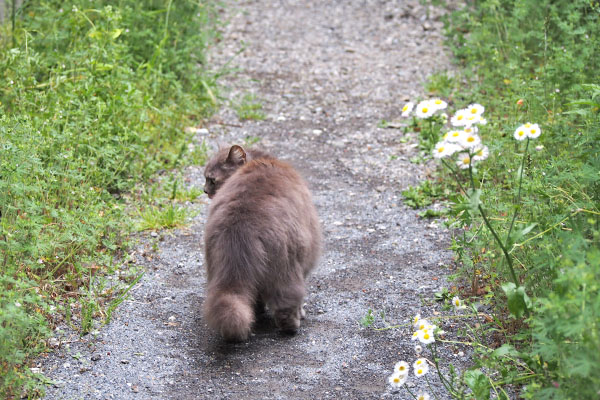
288, 320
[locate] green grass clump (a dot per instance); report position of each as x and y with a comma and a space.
249, 108
93, 100
533, 61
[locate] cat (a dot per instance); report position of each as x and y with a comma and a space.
262, 238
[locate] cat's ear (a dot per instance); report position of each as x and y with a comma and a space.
237, 155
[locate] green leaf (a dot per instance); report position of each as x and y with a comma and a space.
506, 350
474, 200
518, 301
479, 384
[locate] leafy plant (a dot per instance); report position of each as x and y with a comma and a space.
93, 101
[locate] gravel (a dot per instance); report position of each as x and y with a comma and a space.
327, 73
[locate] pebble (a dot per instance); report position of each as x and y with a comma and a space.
153, 234
96, 357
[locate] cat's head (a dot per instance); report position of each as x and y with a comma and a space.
221, 166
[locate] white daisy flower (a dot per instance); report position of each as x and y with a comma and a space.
423, 323
463, 161
444, 149
397, 380
416, 320
423, 396
460, 118
534, 131
425, 336
482, 121
401, 368
421, 367
454, 136
473, 119
470, 129
480, 153
408, 107
415, 335
475, 109
521, 132
470, 141
458, 303
425, 109
439, 104
418, 349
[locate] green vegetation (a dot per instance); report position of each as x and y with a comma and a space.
529, 215
94, 98
249, 108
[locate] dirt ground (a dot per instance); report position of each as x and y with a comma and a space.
327, 73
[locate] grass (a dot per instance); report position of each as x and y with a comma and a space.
249, 108
94, 99
527, 219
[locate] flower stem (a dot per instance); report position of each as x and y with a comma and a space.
455, 176
443, 379
518, 202
430, 388
409, 392
506, 255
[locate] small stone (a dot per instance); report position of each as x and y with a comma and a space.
124, 361
53, 342
58, 384
153, 234
96, 357
35, 370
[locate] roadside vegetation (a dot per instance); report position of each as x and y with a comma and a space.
522, 194
94, 99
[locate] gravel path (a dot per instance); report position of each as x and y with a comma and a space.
326, 72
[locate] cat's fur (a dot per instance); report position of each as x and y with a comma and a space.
262, 238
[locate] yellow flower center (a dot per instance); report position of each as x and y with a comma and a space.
420, 371
426, 336
459, 117
473, 111
404, 108
521, 133
401, 368
465, 160
527, 125
470, 139
396, 380
438, 102
441, 149
425, 109
455, 134
533, 131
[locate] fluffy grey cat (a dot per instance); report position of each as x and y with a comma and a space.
262, 238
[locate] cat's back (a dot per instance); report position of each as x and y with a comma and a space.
263, 188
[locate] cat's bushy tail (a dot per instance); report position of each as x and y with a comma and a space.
230, 314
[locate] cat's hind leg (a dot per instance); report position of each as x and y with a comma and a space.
286, 304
